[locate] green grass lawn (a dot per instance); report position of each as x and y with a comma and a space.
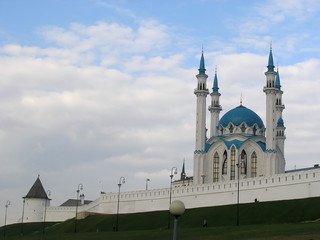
305, 231
268, 220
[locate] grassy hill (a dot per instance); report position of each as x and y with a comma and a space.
280, 217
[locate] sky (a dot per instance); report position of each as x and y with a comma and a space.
92, 90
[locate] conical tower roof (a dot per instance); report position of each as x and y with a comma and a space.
202, 69
270, 61
37, 190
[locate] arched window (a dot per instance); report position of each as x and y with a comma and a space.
233, 163
243, 128
243, 162
225, 163
254, 164
216, 167
254, 129
231, 128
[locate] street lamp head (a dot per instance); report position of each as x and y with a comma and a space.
7, 203
122, 180
174, 170
80, 187
177, 208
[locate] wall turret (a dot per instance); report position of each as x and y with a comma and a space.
35, 203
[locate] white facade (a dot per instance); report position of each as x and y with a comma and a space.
34, 209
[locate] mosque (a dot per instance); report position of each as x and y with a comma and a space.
239, 143
241, 159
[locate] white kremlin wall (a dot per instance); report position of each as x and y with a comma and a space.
293, 185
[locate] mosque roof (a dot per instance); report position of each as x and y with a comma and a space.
239, 115
236, 143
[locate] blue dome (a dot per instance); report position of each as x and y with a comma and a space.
239, 115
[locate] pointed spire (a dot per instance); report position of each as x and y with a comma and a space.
183, 173
270, 62
202, 69
215, 82
278, 85
183, 167
241, 100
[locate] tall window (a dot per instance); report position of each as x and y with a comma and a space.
254, 164
243, 128
233, 163
225, 163
216, 167
243, 162
231, 128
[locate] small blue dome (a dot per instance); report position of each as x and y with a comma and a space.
239, 115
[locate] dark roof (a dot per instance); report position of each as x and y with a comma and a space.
37, 191
303, 169
73, 203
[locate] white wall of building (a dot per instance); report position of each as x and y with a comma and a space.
34, 209
296, 185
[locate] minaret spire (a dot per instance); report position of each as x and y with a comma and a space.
270, 62
202, 69
215, 88
278, 85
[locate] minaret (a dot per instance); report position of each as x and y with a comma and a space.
201, 93
280, 128
271, 91
215, 107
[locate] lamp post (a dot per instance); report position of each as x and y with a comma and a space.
5, 219
147, 180
174, 171
80, 187
239, 165
122, 180
45, 212
177, 208
22, 216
